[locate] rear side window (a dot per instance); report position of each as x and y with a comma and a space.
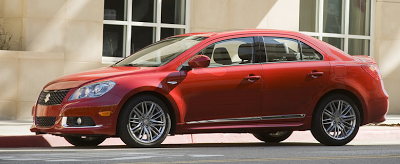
280, 49
309, 53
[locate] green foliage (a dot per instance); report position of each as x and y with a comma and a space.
5, 39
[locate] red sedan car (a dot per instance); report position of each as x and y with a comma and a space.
266, 82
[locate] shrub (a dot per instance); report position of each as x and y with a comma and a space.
5, 39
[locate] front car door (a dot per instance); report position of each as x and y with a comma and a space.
293, 74
229, 90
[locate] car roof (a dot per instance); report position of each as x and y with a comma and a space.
318, 43
238, 31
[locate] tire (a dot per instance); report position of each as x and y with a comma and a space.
273, 137
85, 141
336, 120
144, 122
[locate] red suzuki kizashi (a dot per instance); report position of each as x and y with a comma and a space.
265, 82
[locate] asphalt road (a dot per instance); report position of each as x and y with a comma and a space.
286, 152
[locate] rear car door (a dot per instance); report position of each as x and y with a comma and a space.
293, 73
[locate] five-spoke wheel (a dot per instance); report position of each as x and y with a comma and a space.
336, 120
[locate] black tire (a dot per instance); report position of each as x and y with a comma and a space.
144, 121
85, 141
273, 137
336, 120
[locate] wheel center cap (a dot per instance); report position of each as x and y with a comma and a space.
146, 122
337, 119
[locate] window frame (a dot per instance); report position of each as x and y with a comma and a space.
345, 36
263, 50
128, 24
214, 41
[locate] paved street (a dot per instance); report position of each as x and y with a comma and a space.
286, 152
373, 144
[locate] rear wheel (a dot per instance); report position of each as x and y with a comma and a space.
336, 120
273, 137
85, 140
144, 122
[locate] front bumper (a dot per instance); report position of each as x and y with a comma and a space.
88, 108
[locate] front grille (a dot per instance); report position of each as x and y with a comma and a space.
52, 97
45, 121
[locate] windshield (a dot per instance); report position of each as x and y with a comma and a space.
160, 53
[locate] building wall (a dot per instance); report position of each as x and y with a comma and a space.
58, 37
214, 15
387, 48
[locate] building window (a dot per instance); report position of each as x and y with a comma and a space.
345, 24
130, 25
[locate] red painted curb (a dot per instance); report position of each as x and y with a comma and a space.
23, 141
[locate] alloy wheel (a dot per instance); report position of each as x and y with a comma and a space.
147, 122
338, 119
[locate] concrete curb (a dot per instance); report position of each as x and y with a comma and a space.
368, 134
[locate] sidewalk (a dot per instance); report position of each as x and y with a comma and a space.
15, 133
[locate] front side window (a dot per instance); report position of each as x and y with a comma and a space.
236, 51
160, 53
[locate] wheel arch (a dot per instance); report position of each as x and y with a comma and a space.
160, 96
347, 93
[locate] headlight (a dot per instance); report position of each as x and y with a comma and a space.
92, 90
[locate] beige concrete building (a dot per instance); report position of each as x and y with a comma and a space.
52, 38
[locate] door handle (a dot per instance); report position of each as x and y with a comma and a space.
252, 78
315, 74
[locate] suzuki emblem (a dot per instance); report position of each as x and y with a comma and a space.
47, 98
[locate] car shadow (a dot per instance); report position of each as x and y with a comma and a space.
200, 145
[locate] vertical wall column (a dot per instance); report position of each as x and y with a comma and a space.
387, 48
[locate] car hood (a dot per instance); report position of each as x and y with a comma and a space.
76, 80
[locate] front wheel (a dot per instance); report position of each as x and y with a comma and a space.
85, 140
144, 122
336, 120
273, 137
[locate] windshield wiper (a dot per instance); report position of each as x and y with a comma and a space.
131, 65
138, 65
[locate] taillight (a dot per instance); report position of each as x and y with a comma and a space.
373, 71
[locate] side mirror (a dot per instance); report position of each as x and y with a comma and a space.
199, 61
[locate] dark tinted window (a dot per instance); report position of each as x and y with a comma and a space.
114, 10
173, 11
113, 41
143, 11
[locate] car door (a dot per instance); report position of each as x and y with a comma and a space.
229, 89
293, 74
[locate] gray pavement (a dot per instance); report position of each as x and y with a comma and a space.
235, 153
